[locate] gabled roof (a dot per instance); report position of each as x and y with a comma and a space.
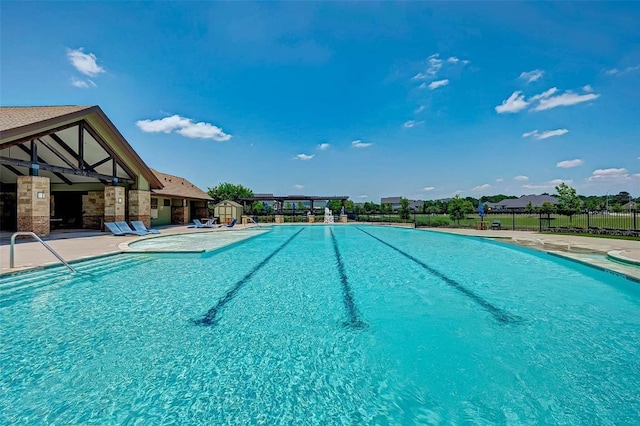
233, 203
175, 186
20, 124
523, 202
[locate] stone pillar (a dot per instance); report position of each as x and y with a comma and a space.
279, 218
140, 206
179, 215
93, 210
343, 218
113, 203
312, 218
34, 208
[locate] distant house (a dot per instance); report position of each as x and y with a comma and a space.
178, 202
631, 205
395, 203
520, 204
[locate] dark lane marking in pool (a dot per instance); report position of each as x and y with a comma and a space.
349, 304
497, 313
210, 317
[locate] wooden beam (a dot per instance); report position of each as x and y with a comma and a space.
107, 148
40, 162
36, 135
99, 163
56, 169
57, 153
13, 170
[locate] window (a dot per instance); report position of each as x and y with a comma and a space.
154, 203
167, 203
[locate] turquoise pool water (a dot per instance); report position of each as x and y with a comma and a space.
323, 325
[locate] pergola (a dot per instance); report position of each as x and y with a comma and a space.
280, 199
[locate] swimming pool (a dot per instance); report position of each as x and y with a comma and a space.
323, 324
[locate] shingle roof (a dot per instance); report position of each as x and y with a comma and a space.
178, 187
12, 117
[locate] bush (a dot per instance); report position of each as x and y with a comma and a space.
433, 222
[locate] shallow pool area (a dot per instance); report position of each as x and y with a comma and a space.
323, 325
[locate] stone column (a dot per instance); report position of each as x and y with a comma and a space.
140, 206
93, 210
312, 218
343, 218
34, 208
113, 203
279, 218
179, 215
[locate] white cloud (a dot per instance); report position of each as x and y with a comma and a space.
544, 94
515, 103
531, 76
499, 180
86, 63
298, 186
419, 109
551, 184
521, 178
453, 60
439, 83
546, 134
435, 63
428, 188
481, 187
420, 76
567, 164
616, 71
304, 157
566, 99
587, 88
185, 127
360, 144
82, 84
609, 175
323, 146
412, 123
363, 196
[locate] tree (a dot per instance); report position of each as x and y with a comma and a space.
547, 208
385, 208
229, 191
257, 207
568, 201
335, 206
404, 210
459, 208
530, 208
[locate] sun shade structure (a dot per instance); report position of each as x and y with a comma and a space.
68, 164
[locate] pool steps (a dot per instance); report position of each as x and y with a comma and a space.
16, 286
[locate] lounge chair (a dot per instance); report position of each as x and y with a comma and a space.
199, 224
496, 224
230, 225
139, 226
124, 227
114, 229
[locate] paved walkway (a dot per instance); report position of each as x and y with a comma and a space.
86, 244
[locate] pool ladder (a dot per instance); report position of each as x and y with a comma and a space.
31, 234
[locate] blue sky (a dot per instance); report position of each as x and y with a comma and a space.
422, 100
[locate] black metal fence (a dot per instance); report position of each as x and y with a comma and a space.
598, 223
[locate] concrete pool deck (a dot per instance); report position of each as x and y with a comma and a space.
73, 246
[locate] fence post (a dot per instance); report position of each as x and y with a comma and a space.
540, 221
588, 222
635, 215
513, 221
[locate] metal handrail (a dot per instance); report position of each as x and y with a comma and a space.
13, 241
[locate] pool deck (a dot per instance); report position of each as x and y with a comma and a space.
623, 255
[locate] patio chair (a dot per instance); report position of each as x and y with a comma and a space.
230, 225
199, 224
496, 224
114, 229
138, 225
124, 227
